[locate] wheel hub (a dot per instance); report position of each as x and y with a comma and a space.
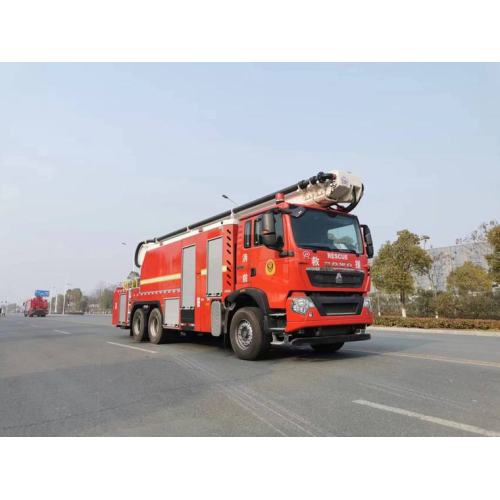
244, 334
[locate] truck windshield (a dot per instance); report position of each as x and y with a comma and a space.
321, 230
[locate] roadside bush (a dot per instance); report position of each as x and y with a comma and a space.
426, 303
441, 323
387, 304
446, 305
472, 306
423, 304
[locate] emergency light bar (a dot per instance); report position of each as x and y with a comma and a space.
323, 190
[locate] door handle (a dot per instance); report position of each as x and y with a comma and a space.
253, 272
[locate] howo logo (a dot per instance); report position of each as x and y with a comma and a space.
338, 279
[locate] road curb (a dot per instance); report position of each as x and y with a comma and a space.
473, 333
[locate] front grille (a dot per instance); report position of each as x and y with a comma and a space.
340, 304
332, 278
334, 309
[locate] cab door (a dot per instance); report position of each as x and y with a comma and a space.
258, 266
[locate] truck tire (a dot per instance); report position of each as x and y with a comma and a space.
157, 334
325, 348
248, 339
139, 326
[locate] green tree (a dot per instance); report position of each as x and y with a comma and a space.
493, 236
84, 304
395, 264
106, 299
59, 302
423, 304
469, 277
74, 300
446, 305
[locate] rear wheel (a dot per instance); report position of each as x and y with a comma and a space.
139, 326
248, 339
328, 347
157, 335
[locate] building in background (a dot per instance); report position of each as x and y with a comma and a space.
446, 259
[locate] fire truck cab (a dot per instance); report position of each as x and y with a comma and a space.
288, 269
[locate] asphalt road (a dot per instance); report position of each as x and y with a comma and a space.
78, 376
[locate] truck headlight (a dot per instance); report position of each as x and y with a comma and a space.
301, 305
368, 303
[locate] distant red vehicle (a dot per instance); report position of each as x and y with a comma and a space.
37, 306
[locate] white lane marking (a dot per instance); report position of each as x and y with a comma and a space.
408, 393
431, 357
63, 332
132, 347
427, 418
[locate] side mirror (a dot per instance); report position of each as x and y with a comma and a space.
269, 237
368, 241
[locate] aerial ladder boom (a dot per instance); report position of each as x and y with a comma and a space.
335, 188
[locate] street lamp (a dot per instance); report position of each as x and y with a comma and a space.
125, 244
226, 197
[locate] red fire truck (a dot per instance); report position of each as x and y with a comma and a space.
290, 268
37, 306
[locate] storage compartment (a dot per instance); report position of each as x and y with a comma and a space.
171, 314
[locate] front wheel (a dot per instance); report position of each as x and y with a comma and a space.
248, 339
139, 326
326, 348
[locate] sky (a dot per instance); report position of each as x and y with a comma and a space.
97, 157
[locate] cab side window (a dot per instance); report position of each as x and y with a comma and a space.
278, 218
247, 235
257, 232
